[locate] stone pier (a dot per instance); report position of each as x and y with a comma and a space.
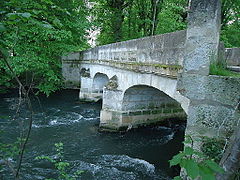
213, 99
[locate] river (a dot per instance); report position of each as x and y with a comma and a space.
140, 154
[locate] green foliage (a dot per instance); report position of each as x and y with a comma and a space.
120, 20
230, 23
61, 165
9, 150
213, 148
172, 17
230, 35
221, 70
196, 164
34, 35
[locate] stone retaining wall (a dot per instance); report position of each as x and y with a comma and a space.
232, 56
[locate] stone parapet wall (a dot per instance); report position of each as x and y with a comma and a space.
161, 49
71, 74
232, 56
214, 102
160, 55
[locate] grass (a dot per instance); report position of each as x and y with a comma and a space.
220, 70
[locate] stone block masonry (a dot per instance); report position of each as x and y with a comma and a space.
214, 103
233, 56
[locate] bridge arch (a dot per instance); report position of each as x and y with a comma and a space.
99, 81
143, 104
115, 113
145, 97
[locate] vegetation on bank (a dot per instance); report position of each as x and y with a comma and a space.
34, 35
197, 164
220, 70
120, 20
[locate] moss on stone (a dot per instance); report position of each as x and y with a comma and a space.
172, 66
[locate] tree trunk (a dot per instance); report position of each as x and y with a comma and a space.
117, 18
231, 158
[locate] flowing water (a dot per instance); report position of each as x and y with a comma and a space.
140, 154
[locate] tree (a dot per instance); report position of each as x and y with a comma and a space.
172, 17
120, 20
230, 160
109, 18
230, 23
33, 38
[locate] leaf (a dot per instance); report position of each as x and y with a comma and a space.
57, 22
214, 166
4, 52
12, 16
188, 140
183, 163
176, 159
26, 15
79, 172
177, 178
206, 173
2, 27
48, 26
199, 154
188, 150
192, 168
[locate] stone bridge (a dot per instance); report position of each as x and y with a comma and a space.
136, 79
148, 80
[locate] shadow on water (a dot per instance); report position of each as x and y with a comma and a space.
138, 154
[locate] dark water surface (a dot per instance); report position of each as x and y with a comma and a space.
140, 154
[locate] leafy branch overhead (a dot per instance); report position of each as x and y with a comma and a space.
35, 34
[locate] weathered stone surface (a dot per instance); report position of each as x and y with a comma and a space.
233, 56
202, 39
213, 99
72, 56
161, 49
117, 120
127, 79
71, 74
210, 89
213, 103
113, 83
145, 98
202, 11
85, 72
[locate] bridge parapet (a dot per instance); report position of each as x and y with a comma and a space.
233, 56
161, 54
165, 49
